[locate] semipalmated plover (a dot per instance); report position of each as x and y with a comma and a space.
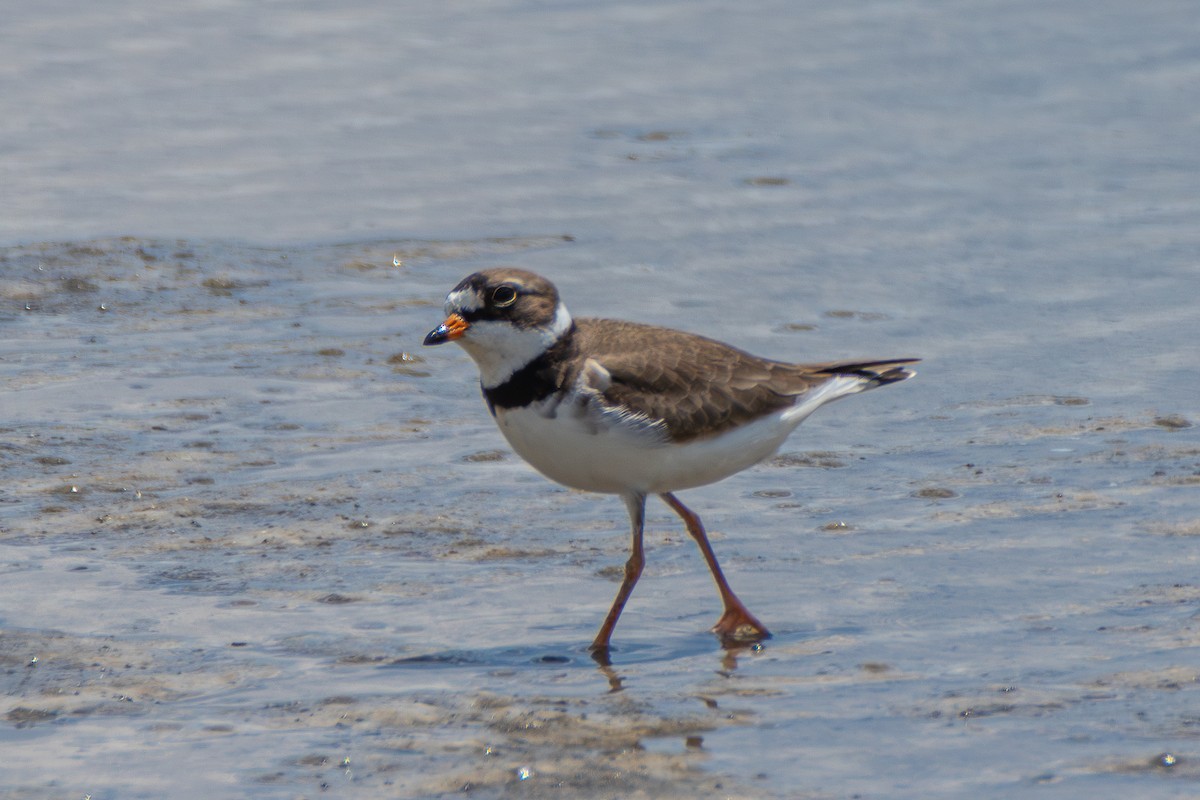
632, 410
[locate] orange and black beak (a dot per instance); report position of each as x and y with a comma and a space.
454, 327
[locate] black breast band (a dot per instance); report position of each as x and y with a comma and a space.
535, 381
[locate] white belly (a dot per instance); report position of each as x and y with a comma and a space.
617, 460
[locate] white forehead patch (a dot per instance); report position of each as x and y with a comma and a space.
462, 300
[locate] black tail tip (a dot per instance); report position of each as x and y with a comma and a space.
893, 375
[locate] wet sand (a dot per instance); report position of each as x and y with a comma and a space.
256, 542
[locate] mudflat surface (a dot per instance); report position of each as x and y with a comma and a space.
256, 542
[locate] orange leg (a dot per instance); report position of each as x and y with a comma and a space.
636, 503
737, 624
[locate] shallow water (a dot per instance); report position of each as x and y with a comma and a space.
255, 541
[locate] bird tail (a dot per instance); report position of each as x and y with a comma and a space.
874, 373
846, 378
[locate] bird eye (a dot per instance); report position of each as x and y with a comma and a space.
504, 296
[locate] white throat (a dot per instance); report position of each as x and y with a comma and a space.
500, 348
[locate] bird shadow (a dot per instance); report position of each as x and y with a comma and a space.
612, 664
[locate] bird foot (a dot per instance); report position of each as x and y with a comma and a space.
601, 653
737, 625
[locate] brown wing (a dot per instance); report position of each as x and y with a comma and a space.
697, 386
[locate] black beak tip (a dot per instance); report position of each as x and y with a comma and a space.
437, 336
